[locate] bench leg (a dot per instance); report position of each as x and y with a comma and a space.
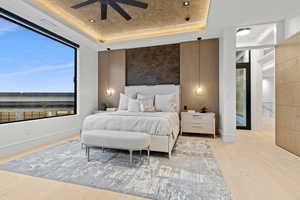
88, 154
140, 155
148, 151
130, 155
170, 155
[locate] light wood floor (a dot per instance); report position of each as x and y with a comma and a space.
253, 167
256, 169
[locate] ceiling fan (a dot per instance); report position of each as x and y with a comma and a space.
114, 5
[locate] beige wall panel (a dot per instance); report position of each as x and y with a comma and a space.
209, 74
189, 75
112, 75
288, 95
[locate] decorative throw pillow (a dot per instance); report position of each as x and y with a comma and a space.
123, 103
146, 105
133, 105
141, 96
166, 103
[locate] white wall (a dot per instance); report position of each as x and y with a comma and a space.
292, 26
256, 90
23, 135
269, 97
268, 89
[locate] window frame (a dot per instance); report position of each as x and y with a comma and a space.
51, 35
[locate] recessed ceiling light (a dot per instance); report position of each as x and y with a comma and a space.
186, 3
243, 31
92, 20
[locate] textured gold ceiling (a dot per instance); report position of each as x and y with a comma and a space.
160, 18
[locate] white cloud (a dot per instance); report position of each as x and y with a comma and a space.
37, 69
6, 26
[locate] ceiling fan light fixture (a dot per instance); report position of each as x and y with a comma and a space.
243, 31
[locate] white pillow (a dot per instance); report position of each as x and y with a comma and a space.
131, 95
146, 102
165, 103
146, 105
141, 96
133, 105
123, 103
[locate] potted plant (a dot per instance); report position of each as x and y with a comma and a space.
204, 109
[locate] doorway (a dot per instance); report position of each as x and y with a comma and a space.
243, 90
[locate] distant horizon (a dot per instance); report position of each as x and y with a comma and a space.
35, 92
33, 63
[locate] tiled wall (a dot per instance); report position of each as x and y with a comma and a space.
153, 65
288, 95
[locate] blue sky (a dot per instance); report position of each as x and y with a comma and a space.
30, 62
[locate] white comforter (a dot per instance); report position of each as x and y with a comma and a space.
153, 123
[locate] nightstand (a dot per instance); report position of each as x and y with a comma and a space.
201, 123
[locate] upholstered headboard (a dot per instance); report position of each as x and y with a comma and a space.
155, 89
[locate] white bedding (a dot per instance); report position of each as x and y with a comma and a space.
153, 123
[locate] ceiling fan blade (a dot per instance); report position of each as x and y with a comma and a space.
85, 3
120, 10
133, 3
103, 11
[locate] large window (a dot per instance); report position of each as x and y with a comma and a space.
37, 71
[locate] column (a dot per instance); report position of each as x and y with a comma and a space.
227, 85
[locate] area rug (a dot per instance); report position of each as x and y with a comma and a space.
191, 174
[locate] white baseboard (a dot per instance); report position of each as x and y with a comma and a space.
28, 144
228, 138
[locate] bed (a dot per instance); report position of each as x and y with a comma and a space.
162, 126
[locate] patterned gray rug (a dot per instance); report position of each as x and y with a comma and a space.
191, 174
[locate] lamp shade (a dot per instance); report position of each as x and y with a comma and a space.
110, 91
199, 91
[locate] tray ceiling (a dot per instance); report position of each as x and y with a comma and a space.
162, 17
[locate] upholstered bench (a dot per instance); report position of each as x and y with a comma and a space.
132, 141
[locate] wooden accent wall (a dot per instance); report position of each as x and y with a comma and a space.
189, 74
288, 95
208, 78
112, 69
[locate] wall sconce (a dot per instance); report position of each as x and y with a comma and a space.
110, 91
199, 91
